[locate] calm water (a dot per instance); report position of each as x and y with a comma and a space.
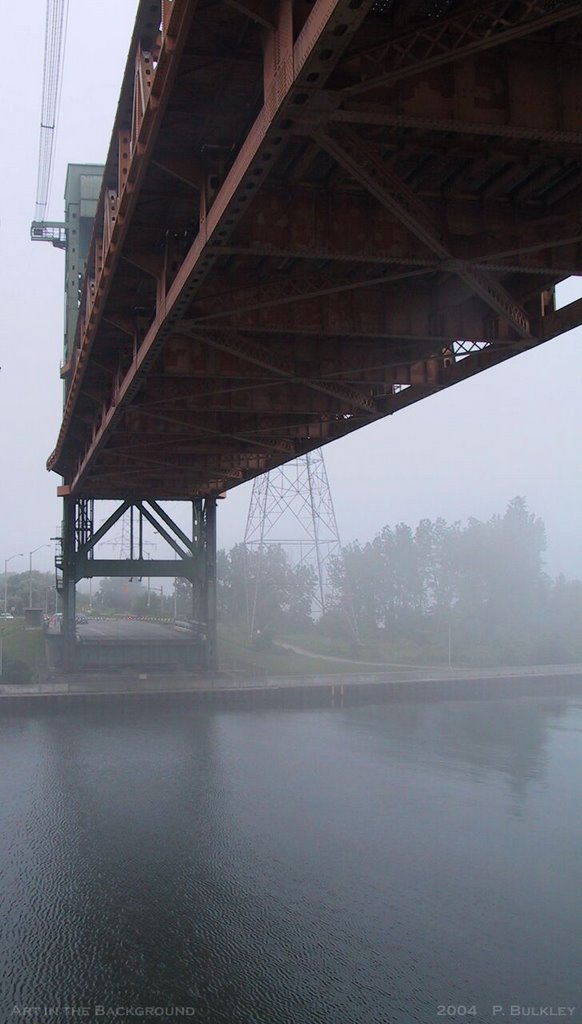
345, 866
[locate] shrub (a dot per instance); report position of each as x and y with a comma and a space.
15, 671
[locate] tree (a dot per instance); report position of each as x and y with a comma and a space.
262, 586
357, 585
483, 581
120, 595
18, 591
561, 640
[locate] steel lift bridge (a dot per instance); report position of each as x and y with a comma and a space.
313, 213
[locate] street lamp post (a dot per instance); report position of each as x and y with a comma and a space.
148, 556
6, 561
30, 554
160, 591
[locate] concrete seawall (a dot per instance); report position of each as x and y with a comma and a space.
317, 691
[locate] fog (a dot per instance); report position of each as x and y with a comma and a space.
513, 430
368, 815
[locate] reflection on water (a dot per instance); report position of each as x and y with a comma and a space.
361, 865
504, 737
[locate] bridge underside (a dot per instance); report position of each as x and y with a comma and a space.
314, 214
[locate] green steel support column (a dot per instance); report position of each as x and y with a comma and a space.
69, 575
210, 584
197, 538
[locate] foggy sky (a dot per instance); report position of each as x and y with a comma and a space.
467, 451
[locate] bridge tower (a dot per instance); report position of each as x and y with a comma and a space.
194, 547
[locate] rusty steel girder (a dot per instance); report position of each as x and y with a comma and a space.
479, 27
311, 216
295, 223
389, 190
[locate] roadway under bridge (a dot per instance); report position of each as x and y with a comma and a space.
105, 645
313, 213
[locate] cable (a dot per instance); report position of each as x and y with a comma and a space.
54, 50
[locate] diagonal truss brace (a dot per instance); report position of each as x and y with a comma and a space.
258, 10
362, 162
94, 539
161, 530
188, 544
261, 356
295, 287
267, 443
440, 41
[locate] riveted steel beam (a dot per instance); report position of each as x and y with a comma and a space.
554, 256
200, 425
560, 320
127, 568
245, 350
285, 289
439, 41
570, 142
261, 356
323, 357
321, 42
429, 378
257, 10
360, 160
404, 314
264, 400
301, 223
233, 466
189, 170
153, 108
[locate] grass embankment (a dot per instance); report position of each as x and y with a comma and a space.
317, 654
368, 651
236, 654
22, 646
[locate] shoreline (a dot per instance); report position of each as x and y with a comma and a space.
221, 690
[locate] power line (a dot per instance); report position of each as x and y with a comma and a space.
54, 51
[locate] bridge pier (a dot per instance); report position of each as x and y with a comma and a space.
210, 583
194, 560
68, 583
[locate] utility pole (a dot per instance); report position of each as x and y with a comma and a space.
6, 561
30, 554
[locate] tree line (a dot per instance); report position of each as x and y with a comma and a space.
476, 592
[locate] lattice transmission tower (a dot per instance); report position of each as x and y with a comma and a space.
292, 507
